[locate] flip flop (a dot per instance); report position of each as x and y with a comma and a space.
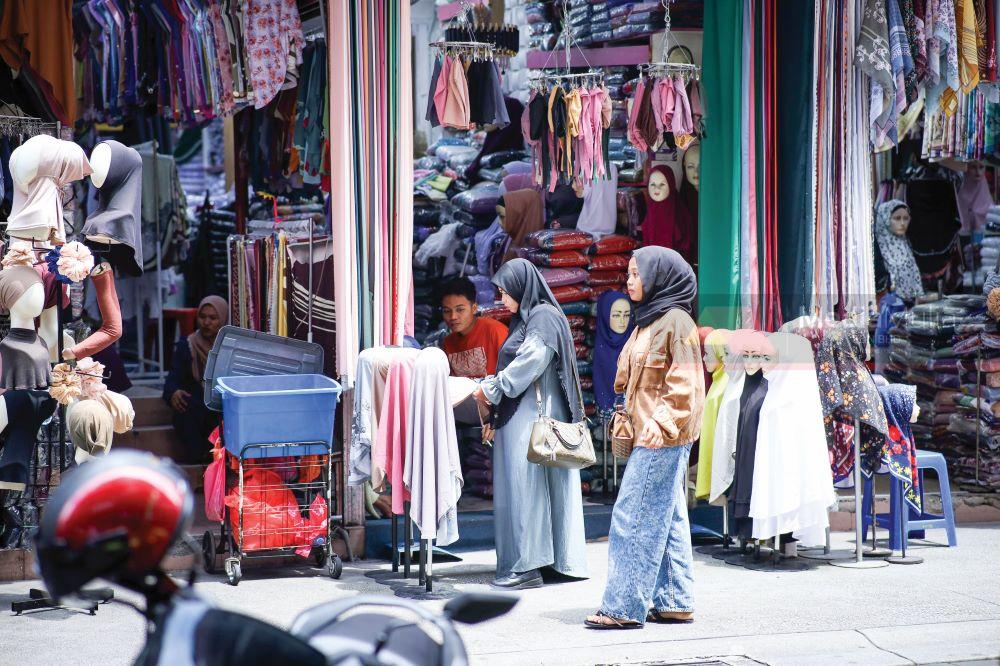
658, 618
608, 622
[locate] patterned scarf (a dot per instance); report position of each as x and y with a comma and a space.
872, 57
900, 454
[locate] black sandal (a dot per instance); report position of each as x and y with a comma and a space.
657, 618
612, 623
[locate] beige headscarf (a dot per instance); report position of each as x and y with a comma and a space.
120, 408
200, 345
90, 427
14, 281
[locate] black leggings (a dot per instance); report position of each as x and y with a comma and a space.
26, 411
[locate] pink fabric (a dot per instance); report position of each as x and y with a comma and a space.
456, 108
633, 135
273, 32
974, 202
518, 181
585, 144
389, 452
441, 88
658, 107
697, 107
665, 91
222, 52
682, 109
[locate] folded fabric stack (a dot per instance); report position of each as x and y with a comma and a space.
939, 347
993, 219
543, 27
636, 19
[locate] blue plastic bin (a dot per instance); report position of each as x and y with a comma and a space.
278, 409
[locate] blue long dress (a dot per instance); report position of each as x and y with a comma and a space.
537, 510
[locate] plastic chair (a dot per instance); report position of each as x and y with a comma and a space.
914, 523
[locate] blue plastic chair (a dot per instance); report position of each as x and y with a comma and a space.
914, 523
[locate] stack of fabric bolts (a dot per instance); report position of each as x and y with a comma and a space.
938, 347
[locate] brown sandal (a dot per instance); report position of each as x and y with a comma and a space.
670, 617
602, 620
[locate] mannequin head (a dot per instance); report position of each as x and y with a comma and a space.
975, 171
621, 314
715, 349
658, 187
692, 165
100, 161
899, 221
26, 158
754, 349
22, 293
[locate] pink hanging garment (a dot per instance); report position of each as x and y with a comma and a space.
634, 136
665, 90
388, 454
682, 109
605, 123
441, 88
585, 143
597, 130
697, 108
658, 108
456, 108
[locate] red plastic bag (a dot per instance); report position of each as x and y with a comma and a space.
582, 351
599, 291
559, 239
271, 517
609, 262
561, 259
498, 312
576, 321
572, 293
215, 486
607, 278
614, 244
561, 277
315, 525
578, 334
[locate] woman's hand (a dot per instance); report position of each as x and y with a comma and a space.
179, 401
488, 434
481, 399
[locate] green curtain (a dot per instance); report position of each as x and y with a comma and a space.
719, 197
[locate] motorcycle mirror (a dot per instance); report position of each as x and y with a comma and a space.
476, 607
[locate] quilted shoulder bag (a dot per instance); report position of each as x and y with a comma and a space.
557, 444
622, 433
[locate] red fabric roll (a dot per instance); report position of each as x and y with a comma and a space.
609, 262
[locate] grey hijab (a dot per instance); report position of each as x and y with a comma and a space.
118, 213
668, 283
538, 313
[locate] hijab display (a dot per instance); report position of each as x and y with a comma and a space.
668, 282
667, 222
40, 167
114, 228
539, 313
890, 233
90, 427
757, 352
792, 484
200, 345
848, 392
900, 455
716, 362
614, 326
974, 200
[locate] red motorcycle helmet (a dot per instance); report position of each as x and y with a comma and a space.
114, 518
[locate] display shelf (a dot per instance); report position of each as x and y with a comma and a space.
453, 9
610, 56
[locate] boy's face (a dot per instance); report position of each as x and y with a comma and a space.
459, 313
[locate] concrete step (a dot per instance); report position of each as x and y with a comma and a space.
160, 440
151, 411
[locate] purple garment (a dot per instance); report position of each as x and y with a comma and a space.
484, 247
607, 347
517, 181
485, 292
513, 168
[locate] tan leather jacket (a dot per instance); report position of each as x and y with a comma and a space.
661, 374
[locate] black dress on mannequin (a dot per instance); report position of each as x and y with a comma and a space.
751, 400
26, 411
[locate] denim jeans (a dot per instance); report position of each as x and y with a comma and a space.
649, 547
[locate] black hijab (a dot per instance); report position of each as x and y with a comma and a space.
538, 313
119, 211
668, 282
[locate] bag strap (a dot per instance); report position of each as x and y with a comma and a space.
538, 399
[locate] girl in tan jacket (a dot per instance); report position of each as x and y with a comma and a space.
660, 372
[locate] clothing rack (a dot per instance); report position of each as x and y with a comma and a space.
480, 50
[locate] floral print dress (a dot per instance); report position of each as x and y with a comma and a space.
274, 41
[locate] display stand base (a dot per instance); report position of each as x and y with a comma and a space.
715, 549
751, 556
863, 564
780, 564
40, 600
820, 556
904, 559
876, 552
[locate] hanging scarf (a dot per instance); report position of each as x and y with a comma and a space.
897, 253
539, 313
900, 58
607, 347
634, 135
974, 202
667, 223
645, 123
199, 344
668, 283
900, 450
913, 19
715, 348
872, 57
968, 49
848, 392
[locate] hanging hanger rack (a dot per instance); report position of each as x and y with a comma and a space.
476, 49
539, 80
19, 125
663, 67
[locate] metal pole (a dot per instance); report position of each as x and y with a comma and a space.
858, 562
979, 394
312, 287
159, 266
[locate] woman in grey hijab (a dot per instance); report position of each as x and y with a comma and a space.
537, 511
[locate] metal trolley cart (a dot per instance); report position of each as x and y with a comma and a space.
278, 427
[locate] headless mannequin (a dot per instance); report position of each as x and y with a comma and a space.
23, 170
751, 401
31, 405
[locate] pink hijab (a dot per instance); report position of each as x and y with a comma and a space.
974, 202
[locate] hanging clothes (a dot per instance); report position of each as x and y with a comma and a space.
974, 201
900, 448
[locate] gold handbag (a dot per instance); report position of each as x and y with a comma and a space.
622, 433
557, 444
